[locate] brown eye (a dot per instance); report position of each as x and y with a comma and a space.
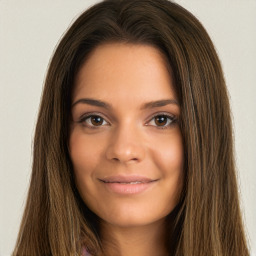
93, 121
161, 120
96, 120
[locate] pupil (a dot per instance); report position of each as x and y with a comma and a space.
161, 120
96, 120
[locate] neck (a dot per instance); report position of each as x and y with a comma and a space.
148, 240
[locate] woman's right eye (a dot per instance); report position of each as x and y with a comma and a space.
93, 121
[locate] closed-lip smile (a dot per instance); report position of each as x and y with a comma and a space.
132, 184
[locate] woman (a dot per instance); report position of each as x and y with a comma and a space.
133, 149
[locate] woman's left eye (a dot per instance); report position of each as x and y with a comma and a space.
162, 121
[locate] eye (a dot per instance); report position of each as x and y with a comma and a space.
162, 121
93, 121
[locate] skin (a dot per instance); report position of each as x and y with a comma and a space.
127, 140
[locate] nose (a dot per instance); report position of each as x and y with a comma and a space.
126, 146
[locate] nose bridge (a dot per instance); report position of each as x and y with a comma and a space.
126, 144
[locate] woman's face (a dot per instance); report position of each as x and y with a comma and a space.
125, 141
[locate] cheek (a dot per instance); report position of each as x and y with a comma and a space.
84, 152
168, 155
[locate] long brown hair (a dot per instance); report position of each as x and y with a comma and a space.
207, 221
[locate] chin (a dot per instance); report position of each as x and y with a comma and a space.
132, 216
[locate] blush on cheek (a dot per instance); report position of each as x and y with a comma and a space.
170, 160
82, 152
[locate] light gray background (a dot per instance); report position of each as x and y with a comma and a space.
30, 30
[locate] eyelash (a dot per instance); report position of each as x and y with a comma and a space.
172, 120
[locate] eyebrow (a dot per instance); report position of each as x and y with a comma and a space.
160, 103
151, 104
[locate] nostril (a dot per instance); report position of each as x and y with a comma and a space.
118, 160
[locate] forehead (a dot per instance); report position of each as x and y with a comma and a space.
118, 69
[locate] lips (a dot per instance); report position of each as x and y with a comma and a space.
127, 185
127, 179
